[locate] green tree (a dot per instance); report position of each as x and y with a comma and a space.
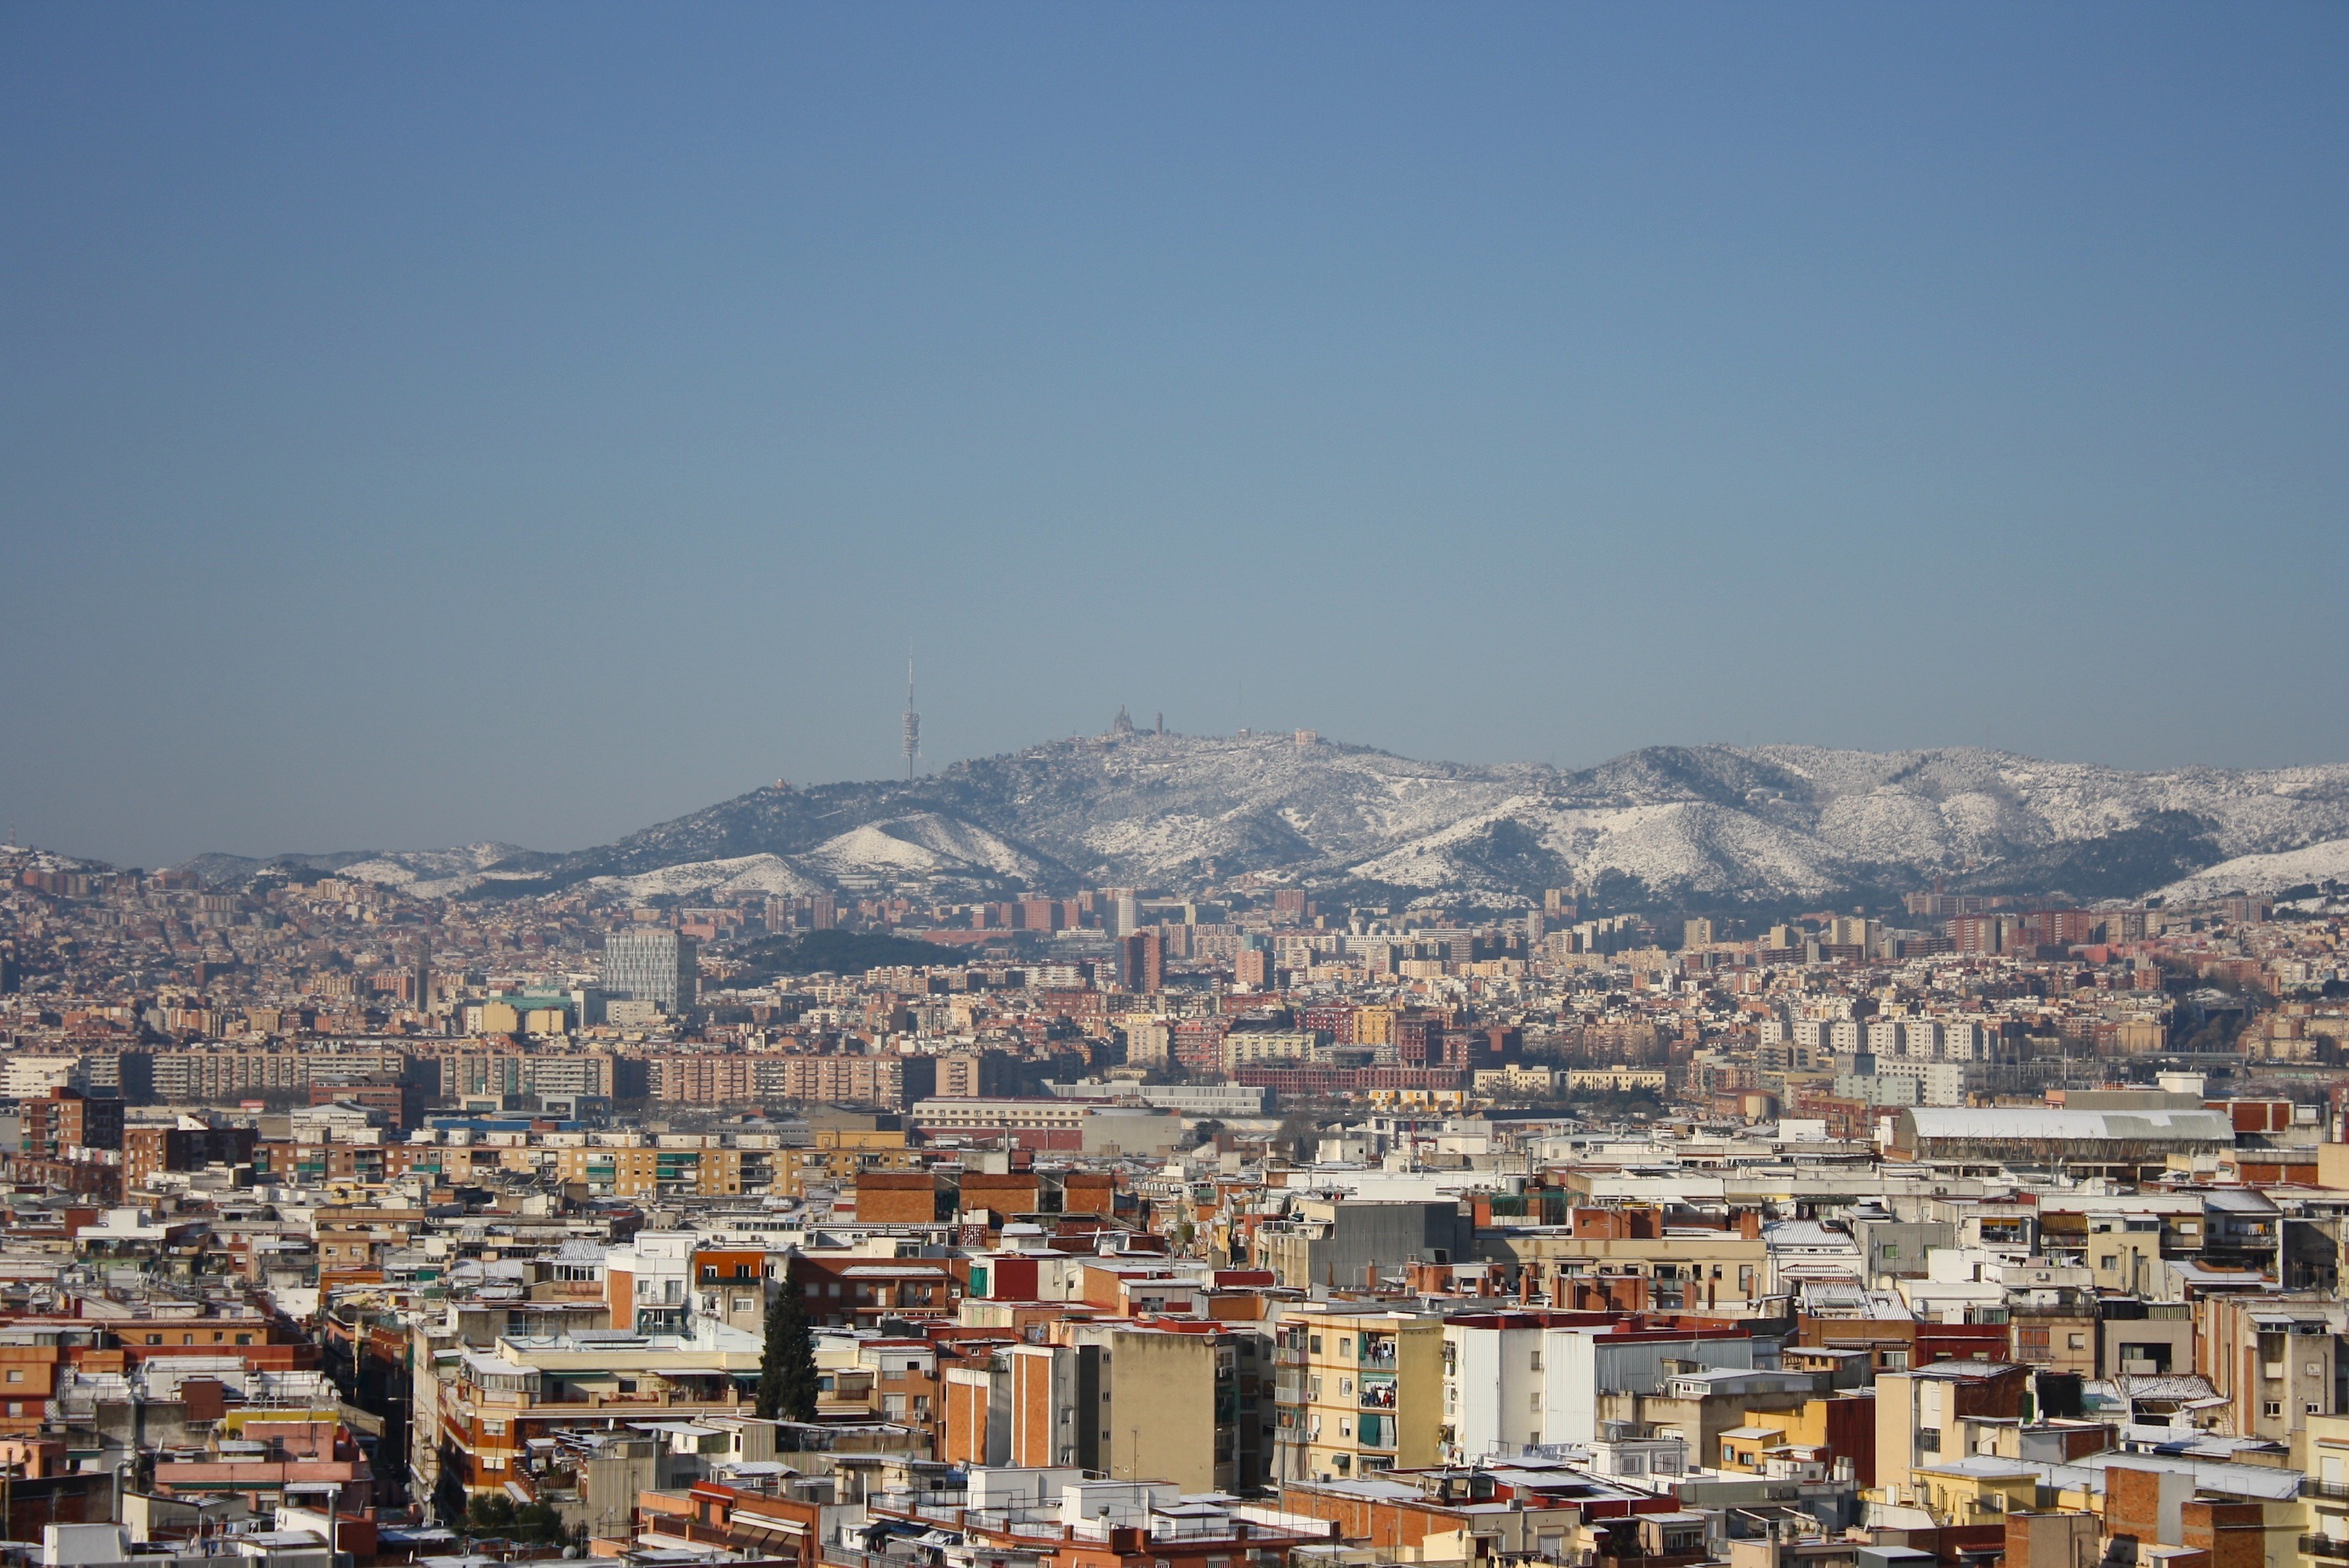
539, 1522
787, 1366
1300, 1135
493, 1513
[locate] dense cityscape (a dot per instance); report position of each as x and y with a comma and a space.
1236, 1221
942, 785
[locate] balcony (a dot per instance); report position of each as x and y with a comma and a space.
2324, 1546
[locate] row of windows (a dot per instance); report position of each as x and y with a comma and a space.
191, 1339
908, 1295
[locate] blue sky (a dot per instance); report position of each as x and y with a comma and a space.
426, 424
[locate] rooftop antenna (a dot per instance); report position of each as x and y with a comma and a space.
913, 720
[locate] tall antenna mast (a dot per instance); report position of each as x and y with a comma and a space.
913, 720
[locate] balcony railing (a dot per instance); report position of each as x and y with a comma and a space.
2324, 1546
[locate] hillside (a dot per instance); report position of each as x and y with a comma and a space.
1715, 822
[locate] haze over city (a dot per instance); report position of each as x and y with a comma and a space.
437, 424
1148, 785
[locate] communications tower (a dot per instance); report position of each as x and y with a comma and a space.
913, 722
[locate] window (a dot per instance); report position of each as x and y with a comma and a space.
2312, 1409
15, 1375
1930, 1438
154, 1339
1315, 1345
2107, 1261
2273, 1408
2079, 1342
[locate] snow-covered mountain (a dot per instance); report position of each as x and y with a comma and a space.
427, 874
2268, 873
1708, 823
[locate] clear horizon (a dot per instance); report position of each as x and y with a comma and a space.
446, 425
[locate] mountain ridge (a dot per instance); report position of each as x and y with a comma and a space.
1703, 823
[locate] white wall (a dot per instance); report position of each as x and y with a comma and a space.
1490, 1399
1578, 1367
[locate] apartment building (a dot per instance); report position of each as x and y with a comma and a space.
148, 1151
65, 1118
2274, 1357
653, 965
682, 1164
1185, 1402
1358, 1393
1923, 1416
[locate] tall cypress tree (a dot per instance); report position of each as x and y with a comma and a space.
787, 1366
